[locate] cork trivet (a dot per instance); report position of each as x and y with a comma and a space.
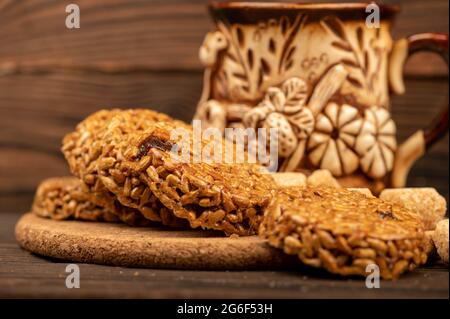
149, 247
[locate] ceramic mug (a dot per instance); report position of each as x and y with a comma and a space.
322, 76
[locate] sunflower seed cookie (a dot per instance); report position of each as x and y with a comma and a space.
92, 153
344, 231
226, 197
62, 198
231, 198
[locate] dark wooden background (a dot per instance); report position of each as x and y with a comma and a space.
143, 53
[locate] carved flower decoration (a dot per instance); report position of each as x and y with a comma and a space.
284, 108
331, 144
377, 143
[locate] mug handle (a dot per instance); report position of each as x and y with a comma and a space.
418, 143
438, 43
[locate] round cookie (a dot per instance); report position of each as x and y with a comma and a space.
227, 197
231, 198
62, 198
344, 231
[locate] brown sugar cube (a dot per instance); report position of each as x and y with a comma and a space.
364, 191
424, 201
322, 177
440, 239
289, 179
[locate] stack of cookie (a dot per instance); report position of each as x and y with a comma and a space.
124, 170
124, 166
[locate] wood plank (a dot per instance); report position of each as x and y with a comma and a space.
156, 35
25, 275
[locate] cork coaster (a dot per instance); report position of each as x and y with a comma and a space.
149, 247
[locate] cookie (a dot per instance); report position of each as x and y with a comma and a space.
425, 201
137, 166
231, 198
344, 231
91, 153
227, 197
440, 239
62, 198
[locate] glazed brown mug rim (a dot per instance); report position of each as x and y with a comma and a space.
343, 6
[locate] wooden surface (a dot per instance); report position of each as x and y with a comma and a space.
146, 247
143, 53
23, 274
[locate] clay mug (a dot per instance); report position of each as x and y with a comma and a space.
322, 76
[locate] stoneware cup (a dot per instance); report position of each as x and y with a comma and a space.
322, 74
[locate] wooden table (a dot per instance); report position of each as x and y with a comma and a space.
24, 275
